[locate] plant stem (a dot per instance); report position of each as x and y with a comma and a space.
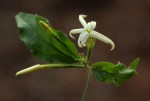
89, 51
89, 79
90, 46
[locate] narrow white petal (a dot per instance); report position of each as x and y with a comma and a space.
79, 41
103, 38
82, 21
93, 25
86, 36
76, 31
88, 25
81, 37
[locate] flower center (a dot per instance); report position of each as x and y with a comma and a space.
88, 30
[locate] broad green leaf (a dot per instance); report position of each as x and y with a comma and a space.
105, 66
44, 44
110, 73
103, 71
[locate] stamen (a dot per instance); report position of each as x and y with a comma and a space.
88, 30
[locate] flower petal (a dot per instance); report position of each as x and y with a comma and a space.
76, 31
81, 38
79, 42
82, 21
103, 38
85, 37
93, 25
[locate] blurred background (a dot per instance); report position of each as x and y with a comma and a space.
126, 22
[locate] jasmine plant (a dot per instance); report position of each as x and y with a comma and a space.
53, 46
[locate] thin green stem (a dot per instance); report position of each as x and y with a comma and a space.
89, 79
89, 51
62, 65
90, 46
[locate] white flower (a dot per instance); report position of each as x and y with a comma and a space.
88, 31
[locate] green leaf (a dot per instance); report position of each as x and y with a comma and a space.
44, 44
134, 64
103, 71
110, 73
122, 74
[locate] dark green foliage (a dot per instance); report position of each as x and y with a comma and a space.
110, 73
53, 47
